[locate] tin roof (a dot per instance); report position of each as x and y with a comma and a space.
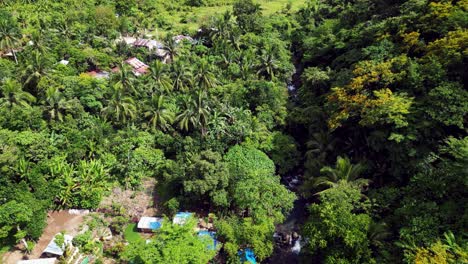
138, 66
38, 261
53, 248
150, 223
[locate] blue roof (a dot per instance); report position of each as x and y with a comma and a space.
183, 214
210, 234
247, 255
155, 225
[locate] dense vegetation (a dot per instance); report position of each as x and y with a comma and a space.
378, 122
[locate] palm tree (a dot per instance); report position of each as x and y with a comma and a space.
246, 62
38, 42
124, 79
181, 76
187, 116
121, 108
9, 37
204, 75
268, 64
203, 110
56, 103
35, 70
196, 112
343, 172
171, 47
158, 114
158, 79
13, 94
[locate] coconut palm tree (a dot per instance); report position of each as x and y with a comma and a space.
35, 69
56, 103
343, 172
171, 47
204, 75
124, 79
13, 94
157, 113
203, 110
181, 76
159, 80
268, 64
196, 112
9, 37
187, 116
121, 108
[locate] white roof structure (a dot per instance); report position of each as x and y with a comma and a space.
149, 43
180, 38
150, 222
128, 40
181, 218
38, 261
64, 62
54, 249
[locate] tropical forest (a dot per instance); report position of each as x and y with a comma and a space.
233, 131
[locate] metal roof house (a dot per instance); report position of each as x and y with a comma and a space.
38, 261
54, 250
148, 43
148, 224
139, 68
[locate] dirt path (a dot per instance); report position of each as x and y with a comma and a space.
56, 222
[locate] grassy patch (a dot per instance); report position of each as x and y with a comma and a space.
131, 233
191, 19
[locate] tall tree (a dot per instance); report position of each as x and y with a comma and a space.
120, 107
13, 94
9, 34
159, 80
158, 114
343, 172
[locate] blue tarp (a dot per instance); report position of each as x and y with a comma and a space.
247, 255
155, 225
210, 234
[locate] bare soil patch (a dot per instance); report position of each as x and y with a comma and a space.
142, 202
57, 221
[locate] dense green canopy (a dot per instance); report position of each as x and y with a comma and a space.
374, 123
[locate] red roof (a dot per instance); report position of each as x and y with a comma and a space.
138, 66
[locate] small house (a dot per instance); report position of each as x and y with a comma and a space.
54, 250
149, 224
148, 43
38, 261
139, 68
181, 218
